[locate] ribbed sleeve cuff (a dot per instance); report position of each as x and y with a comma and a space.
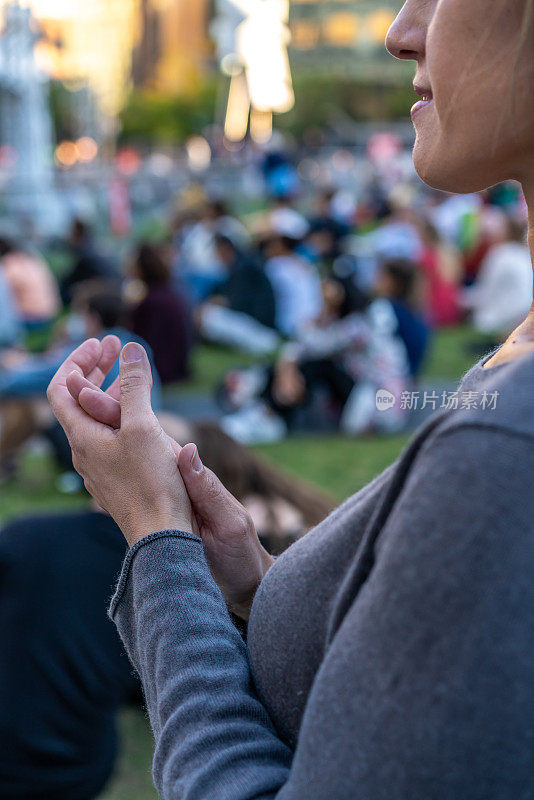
132, 552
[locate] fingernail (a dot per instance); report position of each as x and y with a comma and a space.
131, 353
196, 463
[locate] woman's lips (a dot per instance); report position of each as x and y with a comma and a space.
420, 105
426, 100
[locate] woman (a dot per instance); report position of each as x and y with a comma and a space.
391, 650
161, 316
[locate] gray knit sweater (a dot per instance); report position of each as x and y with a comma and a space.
390, 651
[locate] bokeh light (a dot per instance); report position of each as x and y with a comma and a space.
87, 149
198, 153
128, 161
67, 154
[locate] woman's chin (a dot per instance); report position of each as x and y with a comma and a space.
444, 174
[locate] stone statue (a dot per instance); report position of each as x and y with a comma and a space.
25, 125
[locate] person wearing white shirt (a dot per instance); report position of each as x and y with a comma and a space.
502, 294
296, 285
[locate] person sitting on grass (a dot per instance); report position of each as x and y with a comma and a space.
97, 310
354, 349
89, 262
33, 287
64, 675
242, 313
160, 314
398, 281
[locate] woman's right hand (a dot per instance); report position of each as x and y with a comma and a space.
235, 555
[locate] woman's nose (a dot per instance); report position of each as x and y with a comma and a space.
406, 38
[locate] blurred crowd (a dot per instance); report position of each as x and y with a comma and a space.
332, 296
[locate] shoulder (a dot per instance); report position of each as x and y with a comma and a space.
459, 450
500, 397
28, 541
38, 537
463, 474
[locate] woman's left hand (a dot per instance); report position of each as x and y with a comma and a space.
131, 471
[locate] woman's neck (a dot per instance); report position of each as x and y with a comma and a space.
521, 340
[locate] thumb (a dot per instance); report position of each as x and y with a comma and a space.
135, 383
209, 498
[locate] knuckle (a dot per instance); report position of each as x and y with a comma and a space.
243, 521
214, 488
132, 383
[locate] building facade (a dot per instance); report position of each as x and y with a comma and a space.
88, 44
166, 46
344, 37
174, 49
338, 37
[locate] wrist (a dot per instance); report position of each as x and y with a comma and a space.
267, 560
144, 526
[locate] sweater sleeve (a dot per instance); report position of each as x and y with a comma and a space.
214, 739
425, 689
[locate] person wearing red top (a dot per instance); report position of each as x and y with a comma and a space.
441, 269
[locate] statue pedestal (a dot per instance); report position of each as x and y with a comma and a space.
38, 211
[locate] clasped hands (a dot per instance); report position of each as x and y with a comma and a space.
141, 476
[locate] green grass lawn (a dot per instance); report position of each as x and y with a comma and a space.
451, 353
338, 465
